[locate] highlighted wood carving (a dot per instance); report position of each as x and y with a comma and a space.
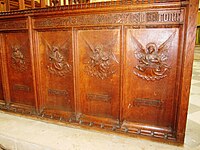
101, 61
152, 61
57, 63
18, 59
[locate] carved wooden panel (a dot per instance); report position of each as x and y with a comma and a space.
150, 76
1, 87
13, 24
56, 63
98, 51
147, 17
19, 68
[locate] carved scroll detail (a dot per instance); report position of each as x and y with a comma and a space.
152, 60
18, 59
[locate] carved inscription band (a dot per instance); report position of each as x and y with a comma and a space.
174, 16
13, 25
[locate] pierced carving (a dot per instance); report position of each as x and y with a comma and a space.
152, 60
57, 63
18, 59
101, 62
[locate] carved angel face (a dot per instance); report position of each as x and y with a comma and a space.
150, 48
55, 49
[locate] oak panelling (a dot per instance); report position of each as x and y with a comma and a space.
124, 67
150, 76
19, 68
1, 88
98, 73
56, 63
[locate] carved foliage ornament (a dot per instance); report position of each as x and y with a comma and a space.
57, 63
152, 60
101, 61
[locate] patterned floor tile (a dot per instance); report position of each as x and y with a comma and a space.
195, 89
195, 81
196, 84
193, 108
195, 100
192, 138
195, 117
196, 78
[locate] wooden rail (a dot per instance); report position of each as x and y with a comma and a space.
12, 5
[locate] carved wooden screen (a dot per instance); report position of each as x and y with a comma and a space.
120, 67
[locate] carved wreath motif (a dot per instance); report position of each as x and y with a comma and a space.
152, 60
57, 64
101, 62
18, 59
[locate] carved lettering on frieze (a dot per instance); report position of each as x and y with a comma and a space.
20, 87
99, 97
57, 92
18, 59
13, 25
57, 63
152, 60
101, 61
175, 16
147, 102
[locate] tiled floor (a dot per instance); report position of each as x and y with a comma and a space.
17, 133
193, 123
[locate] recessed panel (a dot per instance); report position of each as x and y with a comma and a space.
99, 72
56, 63
150, 73
19, 68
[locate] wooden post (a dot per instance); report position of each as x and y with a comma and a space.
21, 4
32, 3
2, 6
7, 3
43, 3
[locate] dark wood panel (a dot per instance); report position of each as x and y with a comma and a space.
56, 63
98, 69
150, 76
19, 68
